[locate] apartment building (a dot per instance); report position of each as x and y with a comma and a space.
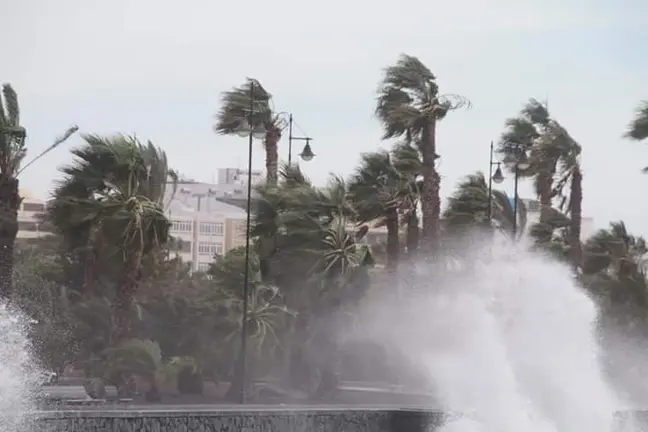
29, 217
202, 226
533, 216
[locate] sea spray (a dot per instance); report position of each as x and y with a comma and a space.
19, 375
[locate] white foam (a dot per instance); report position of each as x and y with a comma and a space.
510, 342
18, 374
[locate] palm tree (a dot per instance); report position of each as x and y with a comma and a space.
570, 172
552, 152
113, 198
528, 131
101, 160
638, 128
377, 190
614, 272
406, 159
409, 105
12, 154
235, 110
468, 206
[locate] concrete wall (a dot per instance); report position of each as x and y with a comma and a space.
268, 420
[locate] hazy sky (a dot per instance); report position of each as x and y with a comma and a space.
156, 68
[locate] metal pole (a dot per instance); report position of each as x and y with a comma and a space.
290, 138
490, 184
246, 277
515, 201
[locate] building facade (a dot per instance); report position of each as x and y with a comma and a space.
533, 216
201, 225
30, 224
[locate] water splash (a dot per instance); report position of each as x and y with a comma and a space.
510, 343
19, 376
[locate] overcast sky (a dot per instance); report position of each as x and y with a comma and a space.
156, 68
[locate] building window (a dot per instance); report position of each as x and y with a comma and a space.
211, 249
27, 226
181, 226
203, 266
179, 245
33, 207
211, 228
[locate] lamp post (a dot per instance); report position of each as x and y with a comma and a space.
307, 153
497, 178
517, 161
251, 128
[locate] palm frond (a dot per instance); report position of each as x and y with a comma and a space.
237, 105
638, 128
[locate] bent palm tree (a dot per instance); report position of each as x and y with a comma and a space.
638, 128
235, 109
377, 190
614, 271
528, 130
12, 153
410, 105
468, 206
120, 207
101, 160
569, 172
407, 162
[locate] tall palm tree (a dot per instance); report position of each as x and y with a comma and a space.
638, 128
553, 152
12, 154
406, 159
377, 190
112, 196
13, 151
235, 109
97, 162
410, 105
528, 130
570, 173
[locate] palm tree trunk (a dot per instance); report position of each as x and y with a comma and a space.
430, 198
576, 202
393, 243
412, 233
9, 204
125, 297
545, 184
272, 157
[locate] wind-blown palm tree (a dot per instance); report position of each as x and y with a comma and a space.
407, 162
570, 172
528, 131
377, 191
552, 152
614, 272
112, 196
410, 105
468, 206
638, 128
235, 110
99, 161
12, 154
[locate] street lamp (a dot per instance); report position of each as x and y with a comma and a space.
498, 178
252, 128
307, 153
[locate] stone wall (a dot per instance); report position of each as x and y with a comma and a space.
262, 420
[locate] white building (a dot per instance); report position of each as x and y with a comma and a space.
533, 216
30, 224
202, 225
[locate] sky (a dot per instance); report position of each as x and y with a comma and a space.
156, 69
